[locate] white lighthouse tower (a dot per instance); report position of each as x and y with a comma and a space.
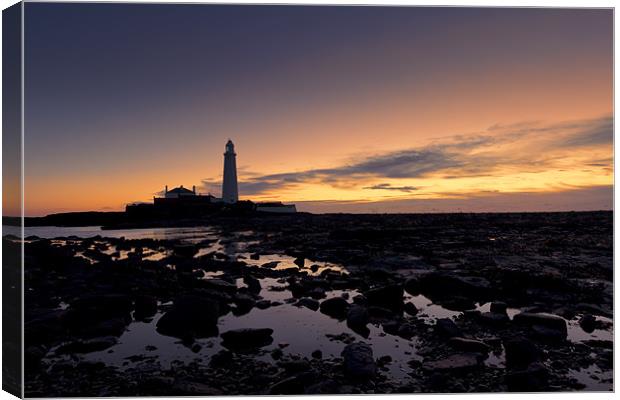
230, 193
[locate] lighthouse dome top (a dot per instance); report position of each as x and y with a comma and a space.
230, 147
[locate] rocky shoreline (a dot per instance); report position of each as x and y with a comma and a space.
390, 304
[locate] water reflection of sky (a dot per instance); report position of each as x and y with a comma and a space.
300, 329
188, 234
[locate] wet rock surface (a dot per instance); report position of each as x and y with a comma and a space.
324, 304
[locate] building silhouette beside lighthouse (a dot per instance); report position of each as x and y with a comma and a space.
230, 191
181, 202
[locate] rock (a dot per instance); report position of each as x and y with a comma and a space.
357, 317
468, 345
550, 321
588, 323
360, 299
443, 284
406, 331
263, 304
277, 354
335, 307
87, 346
253, 284
499, 307
295, 384
390, 297
410, 308
33, 355
190, 316
455, 362
318, 354
271, 264
220, 285
391, 327
493, 318
244, 303
380, 313
145, 307
385, 360
457, 303
532, 379
47, 327
359, 363
447, 328
300, 262
185, 250
412, 286
308, 303
546, 334
247, 339
91, 307
294, 366
520, 352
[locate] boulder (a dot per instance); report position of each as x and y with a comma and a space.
190, 316
263, 304
335, 307
493, 318
442, 284
390, 297
548, 335
499, 307
551, 321
253, 284
244, 303
588, 323
300, 262
456, 303
247, 338
145, 307
447, 328
532, 379
410, 308
100, 306
412, 286
520, 352
357, 316
308, 303
359, 363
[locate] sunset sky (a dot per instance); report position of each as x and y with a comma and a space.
338, 109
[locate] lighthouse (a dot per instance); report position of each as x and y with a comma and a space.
230, 193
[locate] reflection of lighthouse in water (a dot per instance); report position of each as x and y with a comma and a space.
230, 193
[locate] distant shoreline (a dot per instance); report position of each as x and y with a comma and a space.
109, 220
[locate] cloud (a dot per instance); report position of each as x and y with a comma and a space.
387, 186
569, 199
526, 147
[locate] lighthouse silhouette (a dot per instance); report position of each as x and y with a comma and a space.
230, 193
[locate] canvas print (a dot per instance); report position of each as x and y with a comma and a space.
214, 200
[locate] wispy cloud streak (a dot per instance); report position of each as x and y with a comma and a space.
527, 147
